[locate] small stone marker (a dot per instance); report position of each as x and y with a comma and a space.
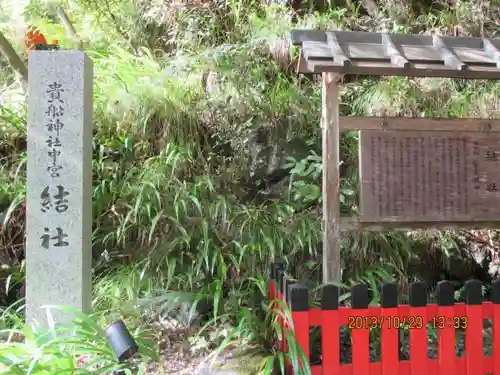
59, 193
409, 176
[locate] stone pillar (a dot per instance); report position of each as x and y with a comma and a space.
59, 193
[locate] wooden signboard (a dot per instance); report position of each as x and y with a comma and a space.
439, 175
412, 176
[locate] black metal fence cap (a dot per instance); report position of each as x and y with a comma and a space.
495, 292
298, 297
280, 280
473, 292
359, 296
418, 294
445, 293
122, 342
389, 295
330, 297
275, 266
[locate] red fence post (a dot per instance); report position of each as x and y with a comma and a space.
418, 334
495, 299
449, 317
446, 330
271, 295
299, 304
390, 322
287, 325
330, 329
280, 279
473, 325
360, 333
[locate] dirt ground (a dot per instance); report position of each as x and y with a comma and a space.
182, 354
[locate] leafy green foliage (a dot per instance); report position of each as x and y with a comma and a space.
80, 349
180, 91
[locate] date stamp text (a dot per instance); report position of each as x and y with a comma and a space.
409, 321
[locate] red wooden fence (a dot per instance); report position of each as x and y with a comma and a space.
446, 317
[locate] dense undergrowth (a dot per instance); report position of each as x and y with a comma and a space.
191, 198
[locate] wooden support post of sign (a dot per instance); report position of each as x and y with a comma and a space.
331, 178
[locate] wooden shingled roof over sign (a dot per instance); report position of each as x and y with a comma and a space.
379, 54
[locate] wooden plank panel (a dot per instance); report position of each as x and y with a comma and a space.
416, 70
462, 41
492, 43
317, 51
418, 124
420, 53
412, 39
476, 56
492, 50
366, 51
345, 37
299, 36
354, 224
418, 176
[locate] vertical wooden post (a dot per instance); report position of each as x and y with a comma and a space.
331, 178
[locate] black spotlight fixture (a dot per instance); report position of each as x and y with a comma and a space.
122, 342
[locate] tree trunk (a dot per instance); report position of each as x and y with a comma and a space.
13, 58
68, 26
